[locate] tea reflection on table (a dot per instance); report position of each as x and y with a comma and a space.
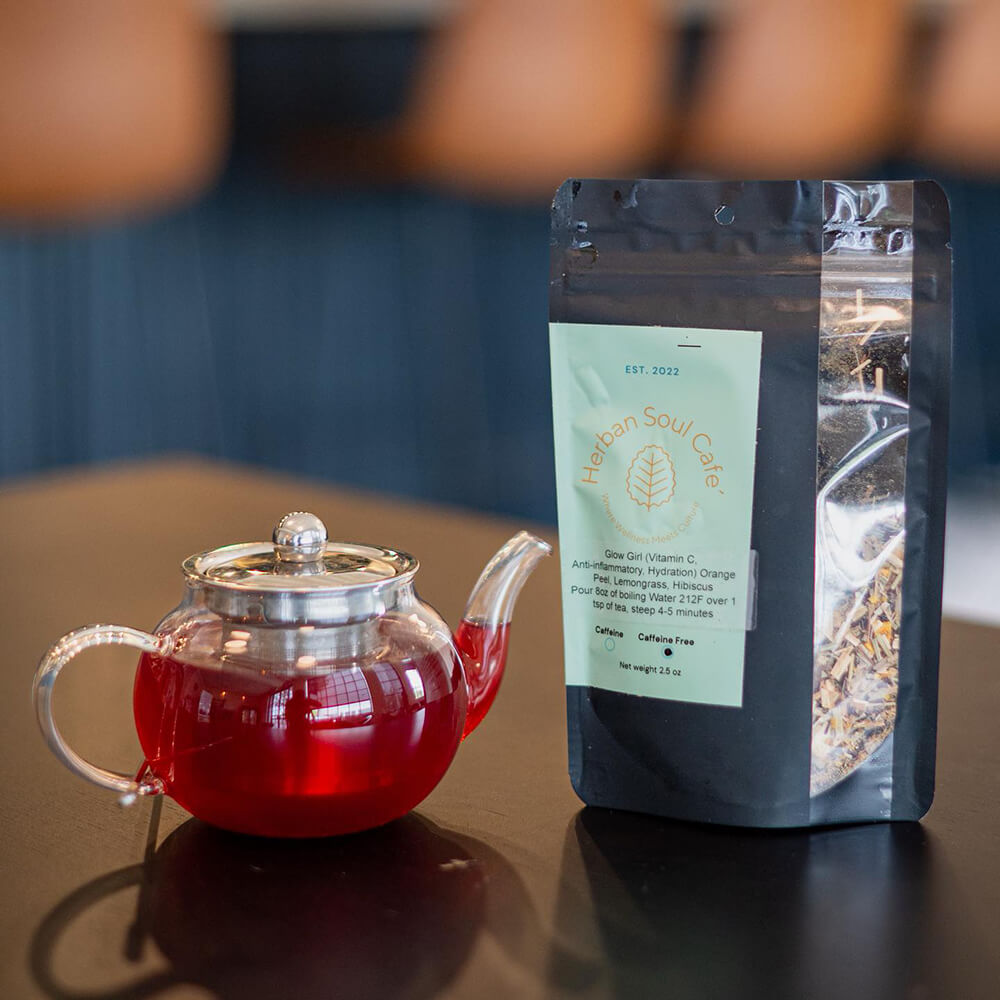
389, 912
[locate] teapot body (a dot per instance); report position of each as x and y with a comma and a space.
302, 688
300, 730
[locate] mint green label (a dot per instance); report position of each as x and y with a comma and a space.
655, 437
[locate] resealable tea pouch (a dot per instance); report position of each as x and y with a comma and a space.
750, 398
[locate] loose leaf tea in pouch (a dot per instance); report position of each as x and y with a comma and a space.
750, 398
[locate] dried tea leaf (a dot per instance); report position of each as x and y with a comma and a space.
854, 705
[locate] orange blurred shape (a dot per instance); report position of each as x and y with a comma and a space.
515, 95
798, 87
960, 124
107, 104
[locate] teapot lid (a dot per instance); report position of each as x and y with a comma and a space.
299, 577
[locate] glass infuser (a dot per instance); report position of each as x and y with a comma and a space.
302, 688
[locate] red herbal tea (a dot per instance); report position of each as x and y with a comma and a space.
322, 753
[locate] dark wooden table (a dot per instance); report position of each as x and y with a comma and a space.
501, 884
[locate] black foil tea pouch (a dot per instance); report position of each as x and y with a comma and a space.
750, 400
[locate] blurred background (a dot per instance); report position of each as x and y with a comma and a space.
313, 234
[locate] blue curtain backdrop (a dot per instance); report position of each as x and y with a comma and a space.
392, 339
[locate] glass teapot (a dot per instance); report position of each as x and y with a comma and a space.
302, 688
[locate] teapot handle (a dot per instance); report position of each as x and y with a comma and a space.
51, 663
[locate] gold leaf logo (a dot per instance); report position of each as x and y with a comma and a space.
650, 478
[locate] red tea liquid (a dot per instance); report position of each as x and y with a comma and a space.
313, 754
300, 756
484, 653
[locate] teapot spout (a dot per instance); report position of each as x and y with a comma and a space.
492, 599
482, 637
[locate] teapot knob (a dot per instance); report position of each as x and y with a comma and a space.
299, 537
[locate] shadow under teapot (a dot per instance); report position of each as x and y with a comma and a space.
392, 912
